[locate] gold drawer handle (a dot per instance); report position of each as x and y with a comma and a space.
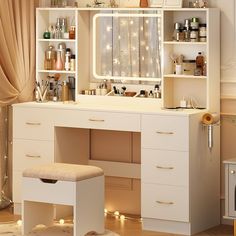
166, 133
96, 120
33, 123
165, 203
165, 168
33, 156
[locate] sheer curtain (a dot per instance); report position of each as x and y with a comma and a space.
130, 46
17, 64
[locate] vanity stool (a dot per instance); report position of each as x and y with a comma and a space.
80, 186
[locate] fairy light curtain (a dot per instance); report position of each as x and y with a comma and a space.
130, 46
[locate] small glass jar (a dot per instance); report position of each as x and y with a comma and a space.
194, 23
194, 35
72, 32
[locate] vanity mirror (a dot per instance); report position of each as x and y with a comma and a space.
127, 45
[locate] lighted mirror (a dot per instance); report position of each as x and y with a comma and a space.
127, 46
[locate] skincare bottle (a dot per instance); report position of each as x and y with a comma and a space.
65, 91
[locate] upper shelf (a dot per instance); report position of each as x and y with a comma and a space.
184, 76
56, 40
185, 43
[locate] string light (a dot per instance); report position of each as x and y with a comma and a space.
121, 217
61, 221
19, 222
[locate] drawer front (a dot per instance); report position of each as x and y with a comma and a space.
165, 132
33, 123
17, 186
165, 167
232, 190
29, 153
99, 120
165, 202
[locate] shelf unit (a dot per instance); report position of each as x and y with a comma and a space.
203, 90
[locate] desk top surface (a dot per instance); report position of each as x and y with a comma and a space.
97, 106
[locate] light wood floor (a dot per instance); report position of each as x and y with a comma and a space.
130, 227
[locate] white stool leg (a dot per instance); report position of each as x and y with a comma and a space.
34, 213
89, 206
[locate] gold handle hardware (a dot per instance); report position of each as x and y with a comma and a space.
33, 123
33, 156
232, 172
166, 133
96, 120
165, 203
165, 168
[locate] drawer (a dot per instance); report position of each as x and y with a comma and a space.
28, 153
33, 123
17, 186
232, 190
165, 202
99, 120
165, 132
165, 167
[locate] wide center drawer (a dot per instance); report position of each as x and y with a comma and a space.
29, 153
98, 120
33, 123
165, 132
165, 167
165, 202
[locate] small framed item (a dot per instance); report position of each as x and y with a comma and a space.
155, 3
173, 3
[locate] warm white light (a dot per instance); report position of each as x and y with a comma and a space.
141, 28
61, 221
109, 28
19, 222
133, 48
122, 217
131, 22
119, 37
147, 21
147, 74
135, 34
147, 48
143, 58
105, 210
108, 47
116, 213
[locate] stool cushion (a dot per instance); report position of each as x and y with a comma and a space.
64, 172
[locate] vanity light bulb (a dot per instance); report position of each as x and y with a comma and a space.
19, 222
61, 221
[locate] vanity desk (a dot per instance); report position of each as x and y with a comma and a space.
178, 173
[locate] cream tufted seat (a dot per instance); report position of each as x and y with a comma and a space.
80, 186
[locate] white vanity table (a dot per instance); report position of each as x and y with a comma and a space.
179, 174
179, 187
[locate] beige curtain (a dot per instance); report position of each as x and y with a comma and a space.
17, 65
17, 50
